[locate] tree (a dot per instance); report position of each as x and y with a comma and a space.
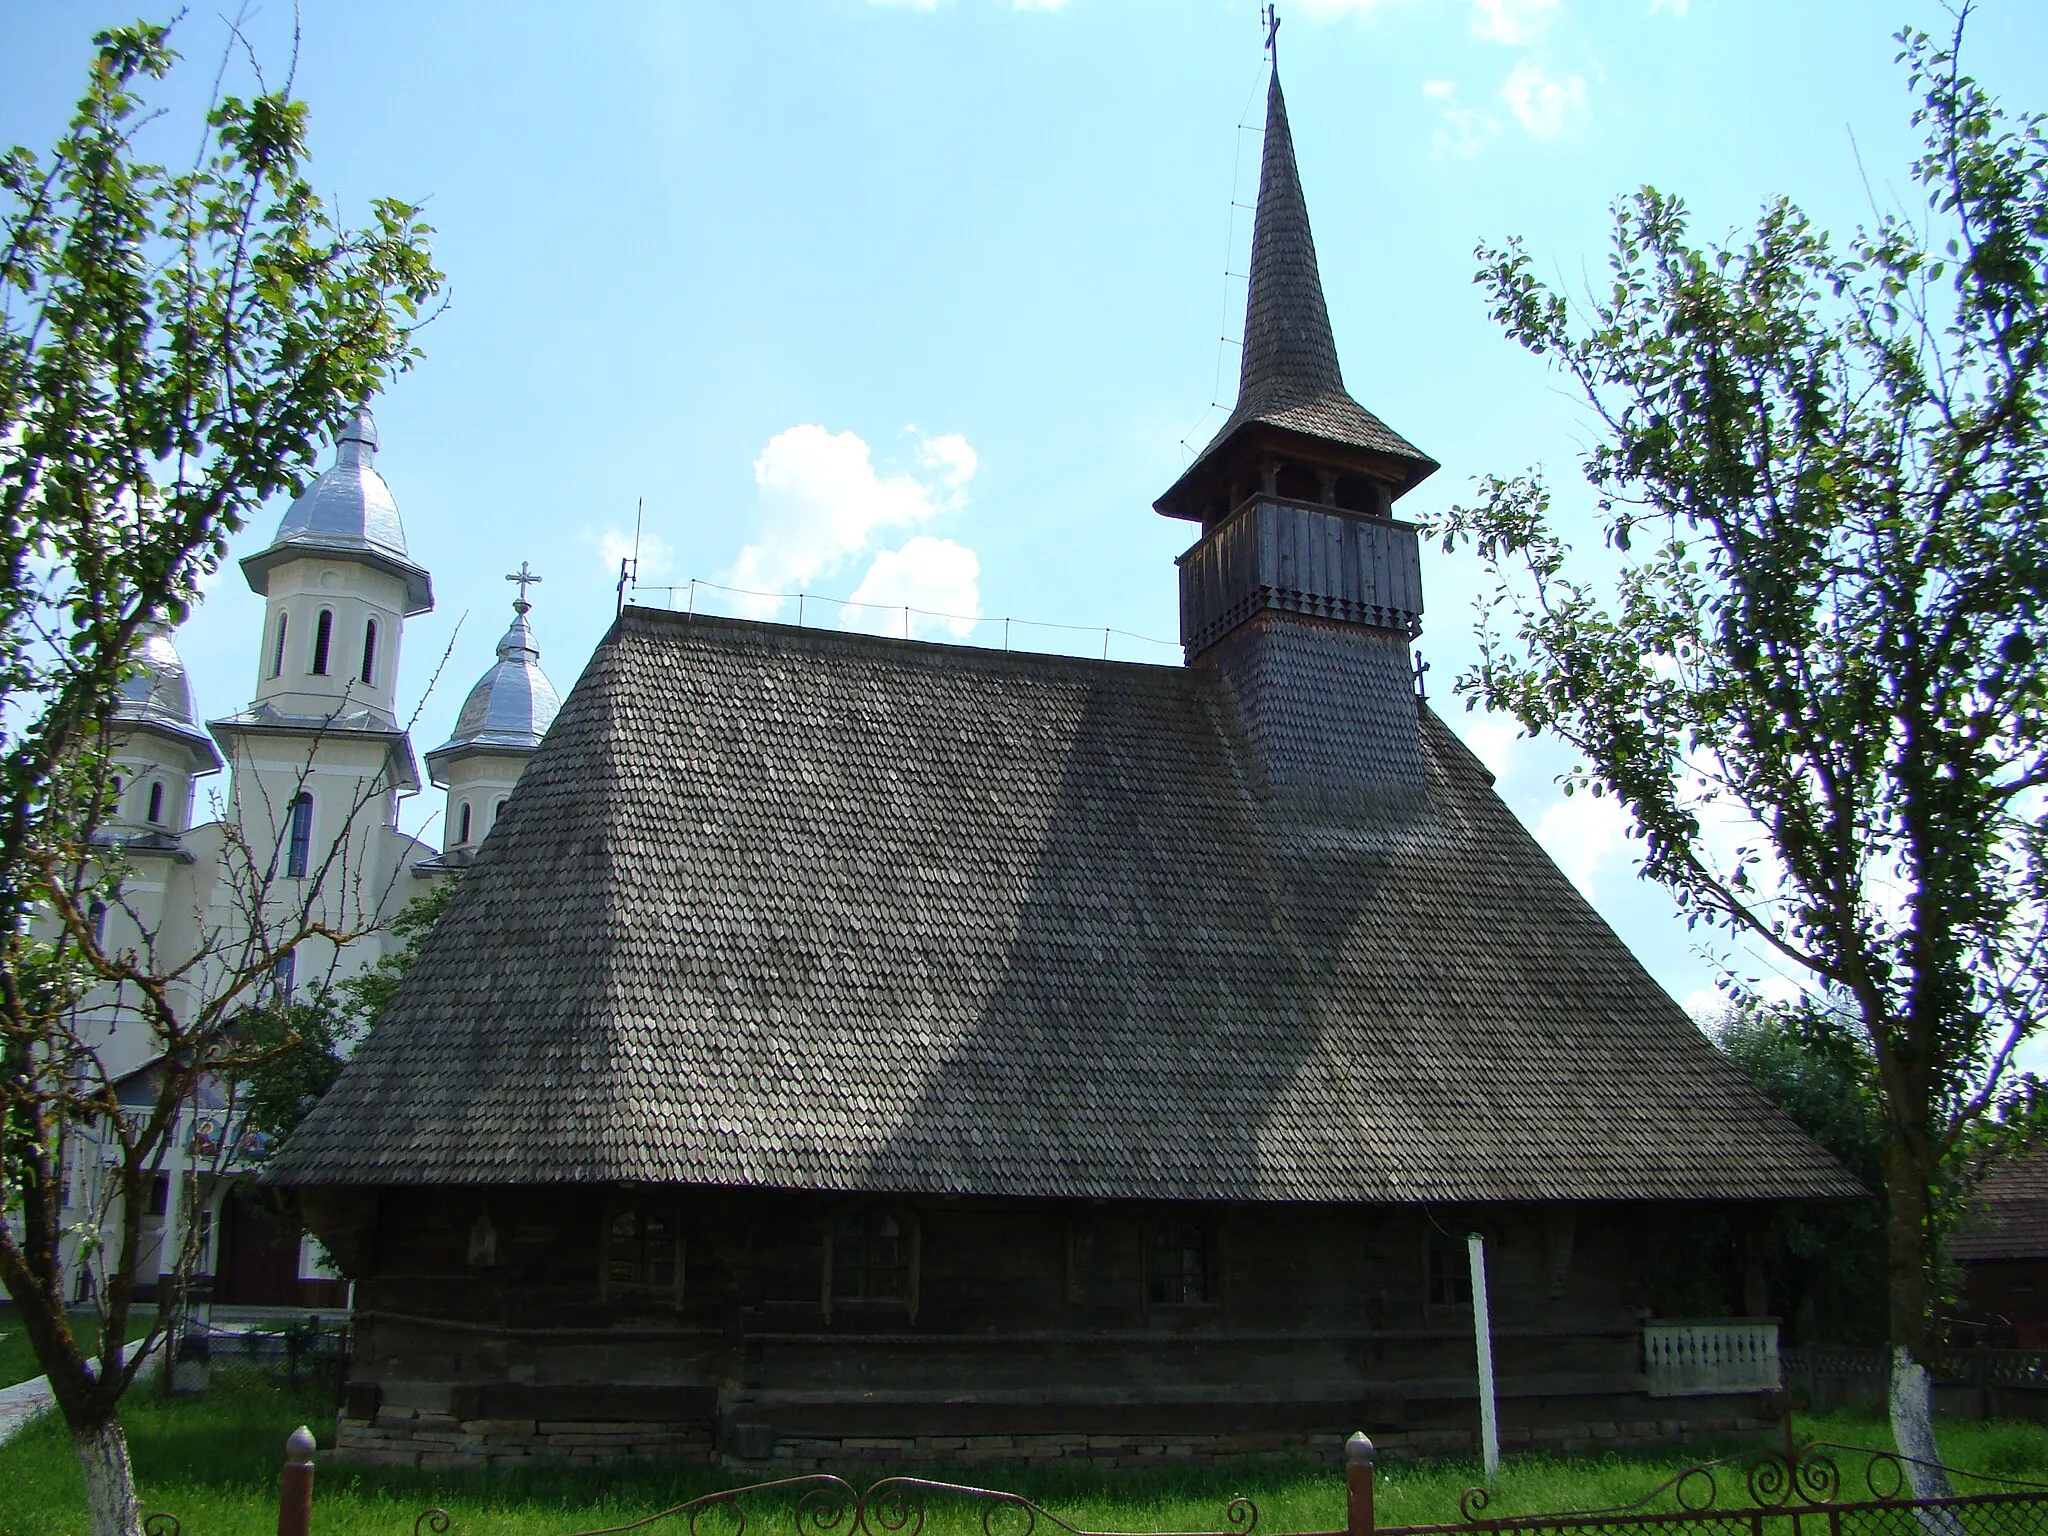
1820, 475
297, 1049
1828, 1262
173, 344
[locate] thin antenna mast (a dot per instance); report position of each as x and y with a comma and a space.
629, 568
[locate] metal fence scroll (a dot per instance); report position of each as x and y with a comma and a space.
1817, 1489
1823, 1489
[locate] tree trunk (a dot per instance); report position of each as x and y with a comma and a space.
109, 1480
1911, 1303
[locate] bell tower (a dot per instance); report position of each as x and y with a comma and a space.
1304, 590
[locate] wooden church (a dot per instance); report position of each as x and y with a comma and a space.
849, 1047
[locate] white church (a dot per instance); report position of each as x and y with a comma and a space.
307, 823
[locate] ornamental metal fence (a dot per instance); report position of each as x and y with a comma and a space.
1816, 1489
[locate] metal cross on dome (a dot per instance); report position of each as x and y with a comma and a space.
525, 577
1270, 15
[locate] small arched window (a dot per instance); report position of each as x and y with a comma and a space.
97, 916
299, 850
370, 653
156, 802
277, 656
284, 975
323, 641
494, 812
1178, 1268
463, 836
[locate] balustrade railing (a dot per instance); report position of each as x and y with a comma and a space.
1714, 1355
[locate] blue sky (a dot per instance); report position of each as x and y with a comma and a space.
925, 302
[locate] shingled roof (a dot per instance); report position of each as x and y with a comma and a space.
1288, 375
789, 908
2009, 1215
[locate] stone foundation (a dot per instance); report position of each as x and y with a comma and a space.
408, 1437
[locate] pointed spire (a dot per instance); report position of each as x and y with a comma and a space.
1290, 357
1289, 383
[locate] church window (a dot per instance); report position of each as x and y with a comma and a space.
870, 1257
641, 1251
463, 836
284, 975
277, 656
160, 1195
300, 848
1179, 1266
156, 801
1450, 1270
494, 812
323, 642
370, 652
97, 916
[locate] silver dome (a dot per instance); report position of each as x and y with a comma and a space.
349, 506
158, 694
158, 689
512, 705
347, 511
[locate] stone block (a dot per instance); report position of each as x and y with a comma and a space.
500, 1426
390, 1416
450, 1461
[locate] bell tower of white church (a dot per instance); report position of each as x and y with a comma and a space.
319, 759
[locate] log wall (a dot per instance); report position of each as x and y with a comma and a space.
489, 1328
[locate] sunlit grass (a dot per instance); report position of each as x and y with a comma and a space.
214, 1464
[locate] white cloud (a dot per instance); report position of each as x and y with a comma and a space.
952, 456
935, 575
822, 502
1582, 833
1544, 106
657, 555
1707, 1005
1461, 131
1517, 23
1496, 740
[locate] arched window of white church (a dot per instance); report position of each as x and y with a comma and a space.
156, 802
277, 656
370, 653
463, 836
299, 850
97, 916
323, 642
494, 812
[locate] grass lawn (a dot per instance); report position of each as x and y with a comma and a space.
18, 1360
214, 1464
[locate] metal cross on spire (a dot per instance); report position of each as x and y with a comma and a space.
1270, 16
525, 577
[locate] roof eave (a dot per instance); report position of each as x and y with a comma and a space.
419, 585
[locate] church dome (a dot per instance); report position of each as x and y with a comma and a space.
158, 690
349, 506
512, 705
157, 696
349, 512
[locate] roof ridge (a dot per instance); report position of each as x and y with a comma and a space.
855, 639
